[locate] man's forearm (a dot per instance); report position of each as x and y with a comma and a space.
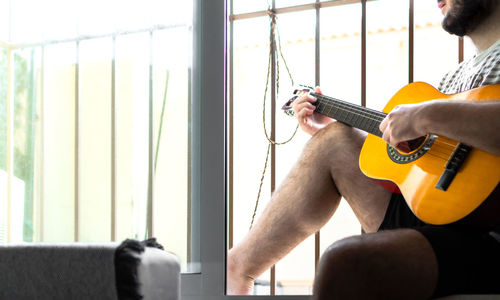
474, 123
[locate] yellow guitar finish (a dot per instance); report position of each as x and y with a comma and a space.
476, 179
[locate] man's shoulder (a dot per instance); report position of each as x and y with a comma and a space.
479, 70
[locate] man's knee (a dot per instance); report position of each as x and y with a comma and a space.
334, 130
341, 268
382, 265
336, 134
335, 146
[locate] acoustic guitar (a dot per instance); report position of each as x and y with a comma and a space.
442, 180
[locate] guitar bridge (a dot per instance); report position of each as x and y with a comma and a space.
453, 166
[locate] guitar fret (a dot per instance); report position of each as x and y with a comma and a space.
351, 114
364, 123
330, 107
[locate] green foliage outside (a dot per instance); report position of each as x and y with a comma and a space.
3, 109
24, 121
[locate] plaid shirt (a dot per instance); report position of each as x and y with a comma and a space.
482, 69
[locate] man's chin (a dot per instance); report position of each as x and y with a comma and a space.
452, 27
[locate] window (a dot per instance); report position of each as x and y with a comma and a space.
57, 197
96, 142
360, 51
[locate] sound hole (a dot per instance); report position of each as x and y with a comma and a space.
410, 146
414, 149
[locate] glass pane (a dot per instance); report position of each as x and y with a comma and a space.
22, 20
387, 50
92, 17
132, 127
436, 51
58, 212
26, 73
171, 151
4, 21
3, 144
250, 62
245, 6
95, 140
55, 13
295, 272
341, 78
341, 52
95, 17
67, 204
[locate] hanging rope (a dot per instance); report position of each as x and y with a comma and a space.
274, 49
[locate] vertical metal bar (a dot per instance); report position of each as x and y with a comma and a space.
113, 141
460, 49
317, 66
189, 256
230, 132
363, 52
200, 59
10, 139
77, 144
317, 48
273, 128
151, 142
411, 34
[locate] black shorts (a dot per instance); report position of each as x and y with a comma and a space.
468, 260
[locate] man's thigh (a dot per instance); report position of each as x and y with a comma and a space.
365, 196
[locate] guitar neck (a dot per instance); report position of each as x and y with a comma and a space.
353, 115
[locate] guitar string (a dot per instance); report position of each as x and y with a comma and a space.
357, 111
333, 102
441, 149
377, 119
366, 113
353, 106
376, 116
331, 99
437, 148
348, 109
447, 144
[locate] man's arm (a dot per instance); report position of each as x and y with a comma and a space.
474, 123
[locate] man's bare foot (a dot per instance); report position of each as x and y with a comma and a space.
237, 282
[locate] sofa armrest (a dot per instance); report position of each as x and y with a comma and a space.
130, 270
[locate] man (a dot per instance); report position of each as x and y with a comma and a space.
399, 257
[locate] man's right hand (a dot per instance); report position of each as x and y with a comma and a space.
309, 120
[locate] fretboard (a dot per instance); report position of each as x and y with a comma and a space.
356, 116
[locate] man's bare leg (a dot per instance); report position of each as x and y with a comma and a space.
393, 264
306, 200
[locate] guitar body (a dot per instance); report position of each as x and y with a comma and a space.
476, 179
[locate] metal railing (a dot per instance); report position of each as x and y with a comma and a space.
39, 224
317, 6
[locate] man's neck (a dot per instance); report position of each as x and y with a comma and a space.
488, 32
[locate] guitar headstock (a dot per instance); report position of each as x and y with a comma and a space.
287, 107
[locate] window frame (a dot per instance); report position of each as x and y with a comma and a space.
40, 46
209, 157
314, 5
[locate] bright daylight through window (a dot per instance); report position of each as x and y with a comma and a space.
322, 43
95, 139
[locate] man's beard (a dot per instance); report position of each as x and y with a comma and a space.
465, 15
